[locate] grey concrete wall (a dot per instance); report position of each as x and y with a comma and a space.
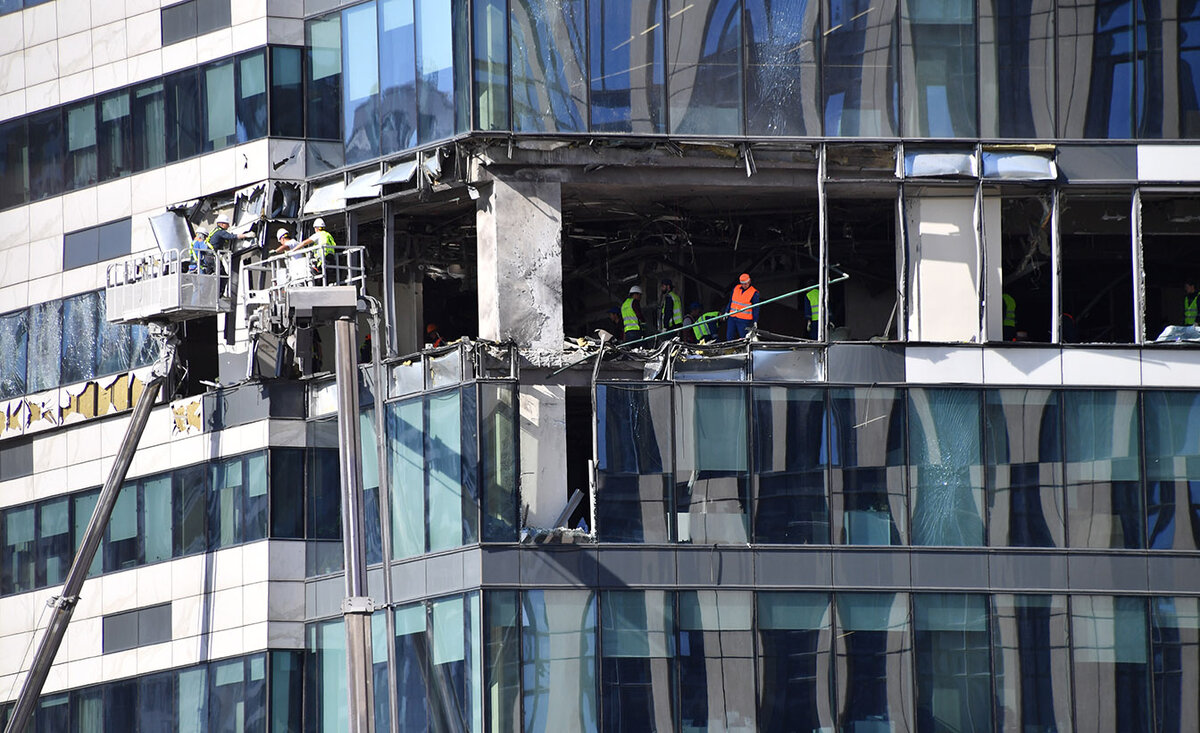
520, 264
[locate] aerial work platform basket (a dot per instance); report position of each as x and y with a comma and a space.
167, 286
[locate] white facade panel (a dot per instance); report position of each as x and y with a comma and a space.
1101, 368
1168, 162
935, 365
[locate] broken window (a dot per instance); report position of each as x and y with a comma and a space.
862, 244
943, 266
634, 462
945, 456
1020, 264
1097, 268
1170, 228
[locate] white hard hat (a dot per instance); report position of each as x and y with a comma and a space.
281, 234
223, 219
319, 223
635, 289
201, 232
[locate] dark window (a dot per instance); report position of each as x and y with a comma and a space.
324, 78
14, 331
179, 22
114, 137
189, 488
14, 164
251, 96
149, 127
185, 128
287, 92
220, 106
287, 493
212, 15
18, 553
131, 629
54, 541
16, 459
81, 145
96, 244
45, 155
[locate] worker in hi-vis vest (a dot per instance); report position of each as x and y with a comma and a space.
1010, 318
743, 309
1190, 311
324, 259
671, 310
812, 312
631, 314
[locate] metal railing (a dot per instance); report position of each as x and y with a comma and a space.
167, 286
303, 268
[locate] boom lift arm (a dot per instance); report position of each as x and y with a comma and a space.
63, 605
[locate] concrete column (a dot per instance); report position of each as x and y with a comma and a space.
519, 243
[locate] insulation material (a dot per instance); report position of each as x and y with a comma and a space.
943, 255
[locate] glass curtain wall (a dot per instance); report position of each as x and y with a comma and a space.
712, 472
1109, 660
874, 661
716, 660
548, 59
634, 466
360, 83
637, 689
860, 84
1016, 69
1023, 440
867, 461
704, 67
795, 662
558, 661
783, 44
1103, 469
397, 76
790, 462
627, 66
945, 458
1175, 651
953, 662
490, 64
1172, 470
939, 68
1031, 663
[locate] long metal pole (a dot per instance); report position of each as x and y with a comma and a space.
357, 608
63, 605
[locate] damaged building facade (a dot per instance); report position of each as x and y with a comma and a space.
969, 504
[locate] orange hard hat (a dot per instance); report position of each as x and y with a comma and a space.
431, 328
745, 278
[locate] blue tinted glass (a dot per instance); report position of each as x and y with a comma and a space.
704, 80
287, 92
945, 453
18, 553
444, 470
781, 67
81, 160
867, 480
252, 96
1023, 435
149, 135
405, 431
1017, 83
953, 655
939, 68
220, 106
1096, 76
627, 66
14, 330
795, 681
549, 88
633, 432
558, 638
185, 122
1103, 470
412, 666
1175, 640
323, 92
80, 337
860, 86
712, 464
1189, 70
14, 164
435, 70
46, 155
790, 461
1109, 648
491, 64
360, 83
636, 675
115, 136
1172, 470
874, 649
397, 76
45, 343
498, 462
1032, 662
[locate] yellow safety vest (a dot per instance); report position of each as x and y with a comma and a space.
676, 310
814, 303
1010, 311
706, 326
1190, 309
628, 317
325, 241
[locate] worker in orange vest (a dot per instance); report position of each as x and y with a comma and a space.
743, 309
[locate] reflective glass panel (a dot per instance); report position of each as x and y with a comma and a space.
115, 136
14, 330
1175, 647
54, 541
637, 679
1032, 665
225, 511
251, 96
867, 456
149, 138
46, 154
14, 164
81, 145
946, 457
502, 636
287, 92
157, 515
491, 64
405, 429
1016, 68
1189, 72
1103, 471
412, 665
716, 660
83, 505
939, 68
633, 474
451, 665
1112, 673
444, 470
874, 662
790, 461
81, 316
548, 53
627, 66
325, 676
498, 461
220, 106
558, 641
397, 76
954, 677
783, 43
1154, 100
704, 67
323, 95
121, 543
435, 70
1172, 470
795, 664
19, 551
712, 474
360, 88
190, 489
1096, 79
45, 343
185, 118
860, 85
1023, 437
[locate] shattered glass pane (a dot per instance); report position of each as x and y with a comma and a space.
548, 53
14, 330
945, 453
45, 341
80, 337
781, 69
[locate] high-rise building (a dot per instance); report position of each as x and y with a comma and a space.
950, 481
